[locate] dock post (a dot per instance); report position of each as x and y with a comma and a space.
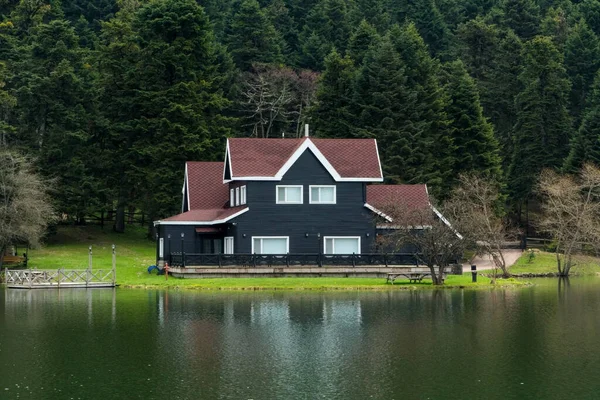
58, 278
114, 265
474, 273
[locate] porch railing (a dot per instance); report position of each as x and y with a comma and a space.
291, 260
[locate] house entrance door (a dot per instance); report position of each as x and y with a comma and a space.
212, 245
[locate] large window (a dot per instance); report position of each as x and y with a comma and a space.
342, 244
322, 194
270, 244
289, 194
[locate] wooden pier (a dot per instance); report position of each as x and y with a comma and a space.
62, 278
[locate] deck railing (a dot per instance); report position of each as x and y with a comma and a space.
58, 277
291, 260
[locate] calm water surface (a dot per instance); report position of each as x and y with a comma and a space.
541, 342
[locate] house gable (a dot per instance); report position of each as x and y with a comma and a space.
346, 160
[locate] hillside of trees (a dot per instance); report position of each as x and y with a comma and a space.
111, 97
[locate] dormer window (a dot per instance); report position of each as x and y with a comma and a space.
322, 194
289, 194
237, 196
231, 197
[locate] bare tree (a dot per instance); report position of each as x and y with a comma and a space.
474, 207
275, 99
571, 212
425, 232
25, 208
306, 88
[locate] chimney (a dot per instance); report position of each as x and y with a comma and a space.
306, 130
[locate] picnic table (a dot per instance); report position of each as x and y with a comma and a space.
413, 277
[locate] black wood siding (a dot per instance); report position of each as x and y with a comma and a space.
348, 217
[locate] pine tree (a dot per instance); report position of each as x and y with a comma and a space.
556, 25
284, 24
501, 92
333, 116
7, 105
582, 60
56, 115
543, 125
590, 10
252, 37
476, 148
585, 146
375, 13
327, 27
432, 27
169, 98
430, 102
384, 109
360, 41
522, 16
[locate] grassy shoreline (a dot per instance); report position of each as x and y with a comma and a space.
69, 249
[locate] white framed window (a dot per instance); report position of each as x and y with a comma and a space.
322, 194
237, 196
289, 194
229, 245
243, 194
161, 248
231, 198
341, 244
270, 244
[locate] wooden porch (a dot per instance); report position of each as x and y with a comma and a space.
296, 265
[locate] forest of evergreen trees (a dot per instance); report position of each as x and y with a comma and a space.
111, 97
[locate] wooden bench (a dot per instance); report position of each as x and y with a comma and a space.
413, 277
14, 260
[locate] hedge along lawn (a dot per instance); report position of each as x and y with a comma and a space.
543, 263
69, 249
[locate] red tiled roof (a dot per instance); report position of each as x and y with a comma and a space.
351, 158
205, 183
412, 197
260, 157
204, 215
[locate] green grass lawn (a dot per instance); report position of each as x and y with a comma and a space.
69, 249
544, 263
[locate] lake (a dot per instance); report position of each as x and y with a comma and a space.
540, 342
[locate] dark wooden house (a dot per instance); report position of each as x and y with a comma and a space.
279, 196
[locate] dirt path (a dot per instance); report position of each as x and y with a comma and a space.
510, 255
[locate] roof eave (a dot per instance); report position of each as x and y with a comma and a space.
213, 222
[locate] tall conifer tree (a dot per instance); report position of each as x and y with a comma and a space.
333, 114
582, 60
252, 37
543, 125
585, 146
475, 147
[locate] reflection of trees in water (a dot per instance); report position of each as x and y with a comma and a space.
563, 287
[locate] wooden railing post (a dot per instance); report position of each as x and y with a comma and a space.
182, 259
219, 259
114, 264
353, 260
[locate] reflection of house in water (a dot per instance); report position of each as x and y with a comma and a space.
347, 312
306, 308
